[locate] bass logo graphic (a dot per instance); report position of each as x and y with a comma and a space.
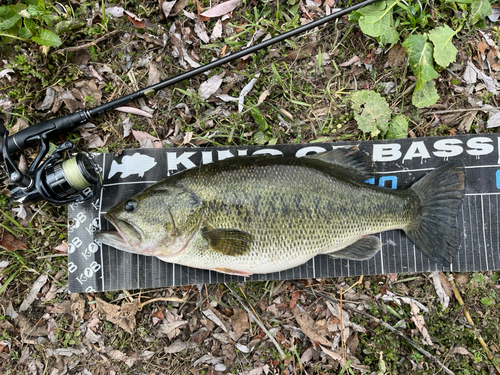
132, 164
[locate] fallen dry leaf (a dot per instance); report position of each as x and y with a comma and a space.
248, 87
154, 74
494, 120
396, 56
138, 22
221, 9
62, 248
178, 346
444, 298
146, 140
35, 288
210, 314
307, 355
50, 96
460, 350
114, 12
29, 329
129, 359
69, 99
123, 316
294, 299
353, 60
239, 322
171, 329
210, 86
4, 344
133, 110
167, 6
157, 316
263, 96
217, 30
306, 324
89, 89
420, 323
77, 306
337, 357
127, 125
11, 243
201, 31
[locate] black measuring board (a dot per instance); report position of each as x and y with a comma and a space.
398, 163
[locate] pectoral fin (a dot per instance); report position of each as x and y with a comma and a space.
230, 242
363, 249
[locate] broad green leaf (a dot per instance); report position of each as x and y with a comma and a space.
260, 138
6, 11
30, 25
378, 6
47, 38
444, 50
35, 11
10, 22
426, 96
19, 7
398, 128
372, 112
24, 33
420, 58
377, 21
65, 26
487, 301
259, 118
480, 9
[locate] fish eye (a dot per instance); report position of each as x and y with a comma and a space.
130, 205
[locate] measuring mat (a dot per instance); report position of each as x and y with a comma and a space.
398, 163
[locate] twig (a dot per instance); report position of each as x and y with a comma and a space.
469, 319
460, 110
52, 256
261, 325
342, 329
87, 45
389, 327
162, 299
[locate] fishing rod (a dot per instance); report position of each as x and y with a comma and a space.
64, 181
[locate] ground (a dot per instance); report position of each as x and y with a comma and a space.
62, 58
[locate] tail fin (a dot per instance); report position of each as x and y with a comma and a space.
114, 169
435, 232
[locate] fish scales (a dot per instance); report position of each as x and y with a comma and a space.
265, 214
294, 212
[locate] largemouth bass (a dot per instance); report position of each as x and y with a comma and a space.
262, 214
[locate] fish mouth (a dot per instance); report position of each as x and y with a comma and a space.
127, 237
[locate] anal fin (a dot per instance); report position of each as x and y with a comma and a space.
363, 249
232, 272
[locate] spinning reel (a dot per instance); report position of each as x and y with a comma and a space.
55, 180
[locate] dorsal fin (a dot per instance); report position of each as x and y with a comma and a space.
350, 158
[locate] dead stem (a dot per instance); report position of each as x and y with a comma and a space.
87, 45
258, 321
381, 322
342, 329
460, 110
477, 334
162, 299
51, 256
